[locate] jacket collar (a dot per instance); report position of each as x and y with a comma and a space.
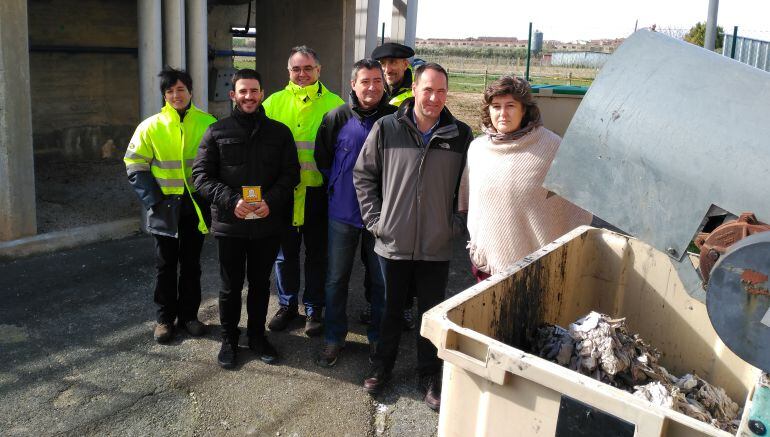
355, 105
249, 121
447, 128
169, 111
307, 93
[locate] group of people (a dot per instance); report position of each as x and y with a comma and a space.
391, 172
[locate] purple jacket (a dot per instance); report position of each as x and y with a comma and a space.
339, 141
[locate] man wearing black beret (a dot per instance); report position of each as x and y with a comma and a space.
398, 73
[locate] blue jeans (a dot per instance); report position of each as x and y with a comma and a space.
287, 267
343, 242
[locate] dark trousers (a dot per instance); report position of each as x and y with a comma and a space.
179, 297
314, 235
429, 279
241, 258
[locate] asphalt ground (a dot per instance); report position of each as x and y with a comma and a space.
77, 357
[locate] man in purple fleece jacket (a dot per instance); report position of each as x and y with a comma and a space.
340, 138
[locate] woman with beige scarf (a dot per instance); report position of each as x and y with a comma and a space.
510, 214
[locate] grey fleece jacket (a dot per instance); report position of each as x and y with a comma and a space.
406, 189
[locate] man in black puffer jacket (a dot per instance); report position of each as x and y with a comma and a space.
247, 152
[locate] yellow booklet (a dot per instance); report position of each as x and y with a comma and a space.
252, 194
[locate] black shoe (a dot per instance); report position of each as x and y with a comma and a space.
228, 354
194, 327
408, 320
431, 386
376, 380
264, 350
282, 317
366, 315
313, 325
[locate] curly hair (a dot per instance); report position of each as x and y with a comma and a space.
519, 89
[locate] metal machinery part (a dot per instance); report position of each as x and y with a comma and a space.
738, 299
660, 115
714, 244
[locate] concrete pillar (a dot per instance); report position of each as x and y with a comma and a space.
403, 27
173, 33
197, 55
709, 42
359, 35
150, 56
368, 25
17, 166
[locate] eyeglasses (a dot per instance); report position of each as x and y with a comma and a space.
307, 69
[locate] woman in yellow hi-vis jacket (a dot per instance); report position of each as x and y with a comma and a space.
159, 166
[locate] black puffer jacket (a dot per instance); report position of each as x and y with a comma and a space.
247, 149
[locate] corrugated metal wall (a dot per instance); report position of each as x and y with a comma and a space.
749, 51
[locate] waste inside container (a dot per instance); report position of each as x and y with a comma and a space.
492, 386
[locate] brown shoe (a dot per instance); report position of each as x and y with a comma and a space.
163, 332
432, 386
376, 381
194, 328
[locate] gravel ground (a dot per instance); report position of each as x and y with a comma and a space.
77, 358
73, 194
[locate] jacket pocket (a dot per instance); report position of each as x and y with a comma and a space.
163, 217
232, 151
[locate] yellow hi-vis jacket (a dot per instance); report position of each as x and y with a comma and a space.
302, 109
166, 146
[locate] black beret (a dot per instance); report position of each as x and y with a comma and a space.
392, 50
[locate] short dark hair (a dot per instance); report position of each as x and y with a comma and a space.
430, 66
366, 64
170, 76
246, 73
517, 88
307, 51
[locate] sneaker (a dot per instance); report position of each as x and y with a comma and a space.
329, 355
431, 385
194, 328
163, 332
282, 317
228, 354
313, 325
266, 352
376, 380
408, 320
366, 315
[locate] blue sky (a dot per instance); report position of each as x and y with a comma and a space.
573, 20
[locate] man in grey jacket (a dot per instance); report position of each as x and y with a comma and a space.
406, 180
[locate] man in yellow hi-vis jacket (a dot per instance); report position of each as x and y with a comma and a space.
301, 106
159, 166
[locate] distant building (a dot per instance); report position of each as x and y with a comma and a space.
595, 45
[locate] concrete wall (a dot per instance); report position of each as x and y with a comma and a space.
86, 105
282, 25
82, 101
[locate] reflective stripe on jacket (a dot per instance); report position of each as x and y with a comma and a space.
302, 109
165, 147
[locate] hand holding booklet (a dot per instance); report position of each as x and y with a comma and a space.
252, 194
